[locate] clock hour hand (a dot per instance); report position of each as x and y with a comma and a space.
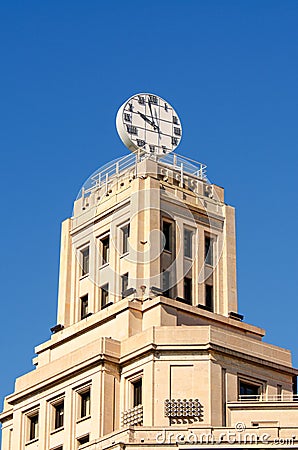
148, 120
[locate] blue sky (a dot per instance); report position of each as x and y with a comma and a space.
230, 70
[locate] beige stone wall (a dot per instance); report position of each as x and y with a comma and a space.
179, 350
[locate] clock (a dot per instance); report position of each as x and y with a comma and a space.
148, 123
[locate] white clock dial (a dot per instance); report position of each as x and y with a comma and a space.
147, 122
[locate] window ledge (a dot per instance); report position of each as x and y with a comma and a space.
82, 419
188, 258
168, 252
103, 266
32, 441
57, 430
124, 254
84, 276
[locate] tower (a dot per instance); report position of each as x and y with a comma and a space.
149, 347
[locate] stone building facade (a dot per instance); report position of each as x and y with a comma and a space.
149, 349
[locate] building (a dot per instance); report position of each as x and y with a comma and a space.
149, 348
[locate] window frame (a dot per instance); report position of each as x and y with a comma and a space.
189, 244
189, 281
253, 383
105, 249
103, 292
210, 253
137, 391
85, 267
55, 407
211, 287
83, 404
82, 300
124, 283
125, 235
83, 440
29, 419
168, 235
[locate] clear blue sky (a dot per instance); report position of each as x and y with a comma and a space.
230, 69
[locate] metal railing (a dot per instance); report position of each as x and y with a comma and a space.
118, 167
269, 398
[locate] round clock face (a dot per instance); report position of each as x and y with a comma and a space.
147, 122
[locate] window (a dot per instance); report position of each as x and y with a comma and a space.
124, 283
33, 426
167, 232
187, 289
137, 392
85, 404
83, 440
85, 261
188, 243
209, 250
125, 235
105, 249
166, 283
84, 306
104, 295
209, 296
249, 390
58, 415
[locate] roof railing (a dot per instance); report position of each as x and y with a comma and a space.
118, 167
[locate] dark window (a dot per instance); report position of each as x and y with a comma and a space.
127, 117
137, 392
59, 415
125, 235
166, 283
85, 261
83, 439
209, 250
124, 283
105, 249
84, 306
85, 404
188, 243
104, 295
175, 141
187, 289
33, 424
175, 120
209, 296
167, 232
249, 390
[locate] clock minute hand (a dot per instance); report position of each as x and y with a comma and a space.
150, 107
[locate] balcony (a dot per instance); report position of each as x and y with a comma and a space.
269, 398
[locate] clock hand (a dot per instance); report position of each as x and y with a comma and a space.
148, 120
157, 126
150, 107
